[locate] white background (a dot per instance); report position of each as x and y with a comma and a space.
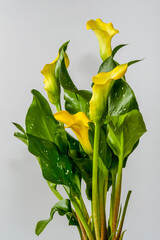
30, 34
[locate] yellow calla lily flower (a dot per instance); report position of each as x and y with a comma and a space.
103, 82
79, 124
52, 86
104, 33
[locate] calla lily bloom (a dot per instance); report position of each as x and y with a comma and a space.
79, 124
104, 33
52, 86
103, 82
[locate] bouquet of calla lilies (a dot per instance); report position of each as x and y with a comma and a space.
106, 125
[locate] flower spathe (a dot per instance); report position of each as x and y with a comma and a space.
104, 33
52, 86
79, 124
103, 82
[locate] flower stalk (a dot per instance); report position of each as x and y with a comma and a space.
95, 190
117, 197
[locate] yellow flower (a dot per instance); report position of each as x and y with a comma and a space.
103, 82
104, 33
79, 124
52, 86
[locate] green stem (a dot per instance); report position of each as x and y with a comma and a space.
117, 197
123, 214
56, 193
83, 220
112, 200
82, 231
84, 209
58, 106
102, 211
105, 190
95, 203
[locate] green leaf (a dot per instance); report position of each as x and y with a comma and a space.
63, 207
82, 163
61, 51
64, 78
134, 61
75, 100
76, 103
107, 65
41, 123
116, 49
72, 220
104, 150
121, 99
19, 127
56, 166
124, 214
122, 235
111, 236
124, 131
21, 137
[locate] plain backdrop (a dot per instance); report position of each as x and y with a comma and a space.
30, 34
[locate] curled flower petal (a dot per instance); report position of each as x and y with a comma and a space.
104, 33
102, 85
79, 124
52, 86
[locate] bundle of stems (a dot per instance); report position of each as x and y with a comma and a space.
106, 124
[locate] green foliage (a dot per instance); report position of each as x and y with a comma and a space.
56, 166
124, 131
116, 49
20, 135
76, 103
75, 100
82, 163
121, 99
63, 161
61, 51
41, 123
107, 65
63, 207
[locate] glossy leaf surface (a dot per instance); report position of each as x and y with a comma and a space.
76, 103
121, 99
56, 166
75, 100
107, 65
124, 131
41, 123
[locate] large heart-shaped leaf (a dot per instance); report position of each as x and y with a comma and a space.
41, 123
63, 207
124, 131
107, 65
121, 99
76, 103
56, 166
